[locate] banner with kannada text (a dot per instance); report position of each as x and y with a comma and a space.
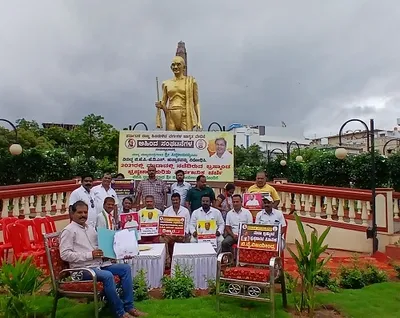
196, 153
259, 237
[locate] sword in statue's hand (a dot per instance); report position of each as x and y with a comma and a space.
158, 104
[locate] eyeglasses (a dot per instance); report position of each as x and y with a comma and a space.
92, 203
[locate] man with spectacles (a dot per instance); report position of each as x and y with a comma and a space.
84, 193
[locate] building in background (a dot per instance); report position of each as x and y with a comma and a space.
357, 140
266, 137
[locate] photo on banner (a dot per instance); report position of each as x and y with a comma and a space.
206, 231
252, 201
172, 225
259, 237
196, 153
149, 219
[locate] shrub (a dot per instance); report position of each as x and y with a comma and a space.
357, 277
179, 285
140, 286
325, 279
212, 287
19, 280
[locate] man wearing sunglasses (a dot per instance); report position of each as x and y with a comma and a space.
84, 193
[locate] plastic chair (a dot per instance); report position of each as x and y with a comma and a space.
6, 246
42, 226
19, 238
52, 224
36, 241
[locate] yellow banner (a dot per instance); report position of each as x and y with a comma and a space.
196, 153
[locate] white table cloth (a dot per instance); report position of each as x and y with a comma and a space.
199, 258
152, 261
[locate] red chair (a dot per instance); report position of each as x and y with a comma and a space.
42, 226
36, 240
6, 246
52, 224
19, 238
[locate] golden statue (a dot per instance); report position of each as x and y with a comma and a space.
180, 100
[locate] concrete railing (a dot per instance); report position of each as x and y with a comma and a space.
346, 210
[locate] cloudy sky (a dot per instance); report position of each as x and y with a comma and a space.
309, 63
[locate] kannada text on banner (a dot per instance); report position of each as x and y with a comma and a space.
259, 237
172, 225
196, 153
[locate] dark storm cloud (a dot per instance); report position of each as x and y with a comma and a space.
312, 63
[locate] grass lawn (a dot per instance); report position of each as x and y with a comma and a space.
379, 300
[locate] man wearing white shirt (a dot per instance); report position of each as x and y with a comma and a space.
234, 218
222, 155
207, 213
103, 191
181, 186
176, 209
84, 193
271, 216
252, 201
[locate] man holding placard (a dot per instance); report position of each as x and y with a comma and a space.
207, 224
149, 217
271, 216
174, 224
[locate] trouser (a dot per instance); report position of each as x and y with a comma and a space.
149, 239
226, 245
219, 241
170, 241
106, 276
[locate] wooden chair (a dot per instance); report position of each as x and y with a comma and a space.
254, 275
68, 282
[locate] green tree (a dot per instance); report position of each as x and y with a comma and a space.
326, 169
361, 171
248, 161
393, 166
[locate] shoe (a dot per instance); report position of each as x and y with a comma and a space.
137, 313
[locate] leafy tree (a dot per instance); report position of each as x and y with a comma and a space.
326, 169
248, 161
393, 166
361, 171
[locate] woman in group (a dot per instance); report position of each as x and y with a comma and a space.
224, 201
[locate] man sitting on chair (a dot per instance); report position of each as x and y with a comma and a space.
234, 218
79, 247
271, 216
207, 213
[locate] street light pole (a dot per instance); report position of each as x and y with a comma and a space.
276, 150
15, 149
299, 158
386, 144
341, 154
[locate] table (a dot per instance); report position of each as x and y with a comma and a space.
152, 261
200, 258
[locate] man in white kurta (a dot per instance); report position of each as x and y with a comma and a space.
207, 213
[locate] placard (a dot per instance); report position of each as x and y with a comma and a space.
130, 221
172, 225
206, 231
149, 222
123, 188
252, 201
259, 237
196, 153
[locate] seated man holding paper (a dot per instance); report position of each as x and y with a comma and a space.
234, 218
79, 247
271, 216
207, 220
172, 229
149, 217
